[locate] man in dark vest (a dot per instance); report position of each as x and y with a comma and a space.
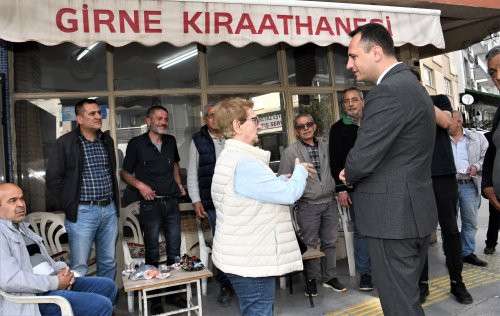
205, 148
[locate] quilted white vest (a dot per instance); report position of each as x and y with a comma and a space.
252, 239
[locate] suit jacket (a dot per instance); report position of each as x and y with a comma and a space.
390, 163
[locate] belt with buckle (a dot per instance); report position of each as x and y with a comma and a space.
164, 197
97, 203
464, 181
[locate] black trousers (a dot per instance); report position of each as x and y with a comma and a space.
446, 194
493, 226
157, 215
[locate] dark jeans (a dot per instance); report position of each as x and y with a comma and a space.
92, 296
493, 226
220, 276
161, 214
361, 254
256, 295
446, 194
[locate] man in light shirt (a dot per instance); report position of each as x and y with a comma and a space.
469, 148
203, 152
22, 254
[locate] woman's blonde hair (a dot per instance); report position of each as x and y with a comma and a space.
229, 110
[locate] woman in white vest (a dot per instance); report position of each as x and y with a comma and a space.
254, 239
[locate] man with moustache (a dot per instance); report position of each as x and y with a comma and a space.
27, 268
151, 168
389, 168
342, 137
316, 210
81, 178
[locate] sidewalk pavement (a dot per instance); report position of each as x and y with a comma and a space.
483, 283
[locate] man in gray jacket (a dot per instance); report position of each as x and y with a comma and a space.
27, 269
316, 211
390, 169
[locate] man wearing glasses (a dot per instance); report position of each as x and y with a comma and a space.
342, 137
317, 214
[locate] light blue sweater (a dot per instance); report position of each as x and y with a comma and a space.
256, 181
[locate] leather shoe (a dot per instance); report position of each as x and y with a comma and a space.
489, 250
460, 292
474, 260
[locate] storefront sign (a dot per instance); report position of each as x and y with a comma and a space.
270, 121
85, 22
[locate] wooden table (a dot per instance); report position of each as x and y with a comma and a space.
177, 277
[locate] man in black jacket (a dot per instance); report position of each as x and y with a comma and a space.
445, 188
81, 178
342, 137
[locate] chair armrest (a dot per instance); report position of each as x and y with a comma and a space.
204, 251
127, 257
59, 300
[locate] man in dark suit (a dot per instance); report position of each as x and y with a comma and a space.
390, 170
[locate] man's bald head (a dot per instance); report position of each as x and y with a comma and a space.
12, 205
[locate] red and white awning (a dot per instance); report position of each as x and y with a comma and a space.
149, 22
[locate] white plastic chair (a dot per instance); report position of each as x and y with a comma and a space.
348, 229
204, 250
59, 300
130, 220
50, 226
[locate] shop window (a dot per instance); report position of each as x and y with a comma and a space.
161, 66
270, 110
320, 107
184, 120
342, 75
253, 64
64, 67
308, 66
38, 124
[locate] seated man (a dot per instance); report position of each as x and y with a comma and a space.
27, 269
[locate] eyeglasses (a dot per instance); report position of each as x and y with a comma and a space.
254, 119
350, 101
304, 126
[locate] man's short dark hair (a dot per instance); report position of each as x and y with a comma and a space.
358, 90
79, 105
375, 34
155, 108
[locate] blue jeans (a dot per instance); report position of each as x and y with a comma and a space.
97, 224
156, 215
92, 296
220, 276
256, 295
361, 255
468, 203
